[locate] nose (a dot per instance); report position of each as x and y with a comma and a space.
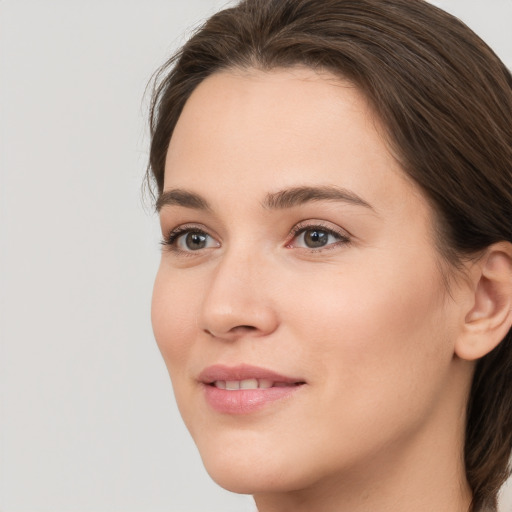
238, 300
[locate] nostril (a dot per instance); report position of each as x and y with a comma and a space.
234, 331
242, 329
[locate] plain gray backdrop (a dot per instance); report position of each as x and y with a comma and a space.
87, 418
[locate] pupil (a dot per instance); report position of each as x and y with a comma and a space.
195, 241
315, 238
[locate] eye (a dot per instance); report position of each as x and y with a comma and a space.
316, 237
183, 239
192, 241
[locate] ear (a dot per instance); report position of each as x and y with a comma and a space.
489, 318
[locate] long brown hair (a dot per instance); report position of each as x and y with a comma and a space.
446, 102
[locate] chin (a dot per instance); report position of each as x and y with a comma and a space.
248, 479
252, 468
241, 483
238, 470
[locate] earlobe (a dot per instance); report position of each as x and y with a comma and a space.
490, 318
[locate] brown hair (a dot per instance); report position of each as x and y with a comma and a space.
446, 102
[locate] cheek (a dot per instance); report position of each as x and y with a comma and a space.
172, 316
378, 337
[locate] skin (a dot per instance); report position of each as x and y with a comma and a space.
367, 323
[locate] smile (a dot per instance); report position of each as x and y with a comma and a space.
245, 389
235, 385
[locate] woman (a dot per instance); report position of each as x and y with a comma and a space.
334, 184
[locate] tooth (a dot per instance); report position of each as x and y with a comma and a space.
265, 383
232, 384
249, 384
221, 384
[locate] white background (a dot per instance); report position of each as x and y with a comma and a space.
87, 418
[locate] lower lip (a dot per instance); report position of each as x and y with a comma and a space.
245, 401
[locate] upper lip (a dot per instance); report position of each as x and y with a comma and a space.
221, 372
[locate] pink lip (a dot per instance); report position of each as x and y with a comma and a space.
245, 401
242, 372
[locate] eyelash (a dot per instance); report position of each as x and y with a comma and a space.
170, 242
342, 236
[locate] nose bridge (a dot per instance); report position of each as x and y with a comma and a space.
237, 295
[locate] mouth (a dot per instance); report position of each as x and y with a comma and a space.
235, 385
245, 376
246, 389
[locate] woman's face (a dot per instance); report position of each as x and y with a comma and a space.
299, 261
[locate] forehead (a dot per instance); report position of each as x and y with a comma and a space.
295, 98
262, 130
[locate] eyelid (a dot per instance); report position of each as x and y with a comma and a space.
344, 236
169, 240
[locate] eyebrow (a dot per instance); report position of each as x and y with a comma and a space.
280, 200
182, 198
296, 196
